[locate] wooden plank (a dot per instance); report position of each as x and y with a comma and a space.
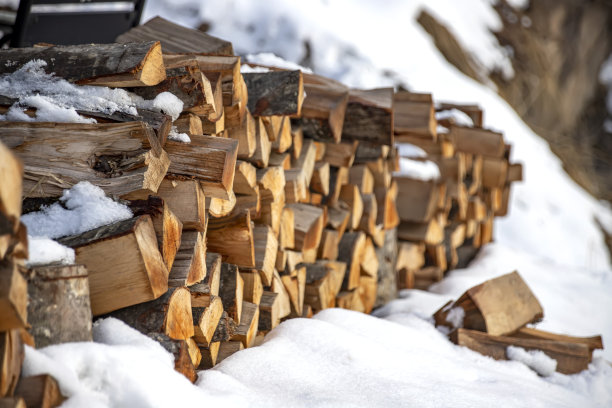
114, 65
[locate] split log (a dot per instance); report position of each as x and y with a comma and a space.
338, 176
124, 264
279, 131
249, 321
498, 306
350, 251
253, 287
309, 224
245, 135
410, 256
228, 348
194, 352
189, 123
323, 283
338, 218
209, 355
414, 115
283, 300
11, 359
12, 402
368, 293
114, 65
186, 200
368, 264
263, 147
11, 174
275, 92
179, 349
268, 312
59, 310
320, 178
40, 391
205, 321
218, 207
328, 248
429, 232
350, 195
367, 151
225, 329
176, 38
478, 141
190, 263
494, 172
120, 158
323, 112
266, 246
386, 200
210, 160
592, 343
386, 285
231, 291
169, 314
306, 160
340, 154
286, 235
232, 237
417, 200
245, 178
369, 116
13, 297
361, 176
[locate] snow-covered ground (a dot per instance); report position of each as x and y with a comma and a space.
342, 358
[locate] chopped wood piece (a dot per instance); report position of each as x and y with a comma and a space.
386, 200
309, 223
323, 283
417, 200
320, 178
232, 237
186, 200
176, 38
190, 263
218, 207
206, 320
294, 258
328, 248
306, 160
494, 172
158, 121
367, 291
124, 264
170, 314
179, 349
245, 135
114, 65
11, 359
189, 123
231, 291
369, 262
361, 176
11, 174
194, 352
120, 158
266, 246
410, 256
296, 186
367, 151
275, 92
498, 306
323, 112
268, 311
225, 329
350, 195
340, 154
12, 402
249, 321
13, 297
478, 141
210, 160
40, 391
368, 218
428, 232
571, 358
369, 116
350, 251
253, 287
279, 132
592, 343
338, 218
338, 176
515, 172
227, 349
286, 236
414, 115
283, 301
245, 178
209, 355
59, 310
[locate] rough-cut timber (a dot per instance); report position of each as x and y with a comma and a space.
413, 115
369, 116
125, 267
115, 65
176, 38
11, 359
120, 158
210, 160
59, 310
186, 200
158, 121
40, 391
249, 321
275, 92
190, 263
231, 290
323, 112
350, 251
478, 141
232, 237
206, 320
13, 297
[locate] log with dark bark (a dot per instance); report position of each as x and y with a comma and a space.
180, 351
190, 263
323, 112
231, 291
59, 309
115, 65
275, 92
40, 391
225, 329
369, 116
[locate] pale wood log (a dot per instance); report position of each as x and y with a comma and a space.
368, 263
209, 355
179, 349
11, 359
245, 135
271, 183
280, 133
494, 172
281, 260
210, 160
436, 256
367, 290
286, 236
228, 348
340, 154
13, 297
283, 300
386, 285
251, 203
413, 114
189, 123
194, 352
296, 186
571, 358
205, 320
306, 160
177, 38
266, 246
59, 309
338, 218
232, 237
594, 342
249, 321
386, 200
297, 136
368, 218
410, 256
253, 287
120, 158
328, 248
275, 92
309, 223
40, 391
478, 141
338, 176
381, 172
263, 147
231, 291
186, 200
216, 127
361, 176
320, 178
189, 265
245, 178
294, 258
219, 207
114, 65
429, 232
323, 112
350, 195
350, 251
11, 174
323, 283
124, 264
369, 116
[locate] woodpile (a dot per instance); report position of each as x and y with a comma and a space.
447, 218
283, 203
491, 317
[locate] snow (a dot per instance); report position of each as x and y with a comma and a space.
179, 137
460, 118
165, 102
534, 359
82, 208
44, 251
247, 69
455, 317
267, 58
410, 151
418, 170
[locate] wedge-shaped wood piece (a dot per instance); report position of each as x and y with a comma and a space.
245, 133
323, 112
494, 172
263, 147
367, 290
323, 283
268, 311
306, 160
350, 300
410, 256
350, 195
367, 151
340, 154
11, 173
210, 160
414, 115
11, 360
12, 402
206, 320
249, 321
283, 300
189, 123
232, 237
429, 232
478, 141
279, 132
286, 235
59, 310
125, 267
194, 352
40, 391
168, 227
120, 158
189, 265
114, 65
13, 297
417, 200
186, 200
571, 357
209, 355
338, 176
231, 291
350, 251
498, 306
169, 314
361, 176
309, 224
225, 329
369, 116
253, 287
177, 38
266, 246
179, 349
275, 92
228, 348
245, 178
296, 186
386, 200
369, 261
328, 248
219, 207
515, 172
338, 218
320, 178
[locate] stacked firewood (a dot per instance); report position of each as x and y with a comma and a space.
446, 219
